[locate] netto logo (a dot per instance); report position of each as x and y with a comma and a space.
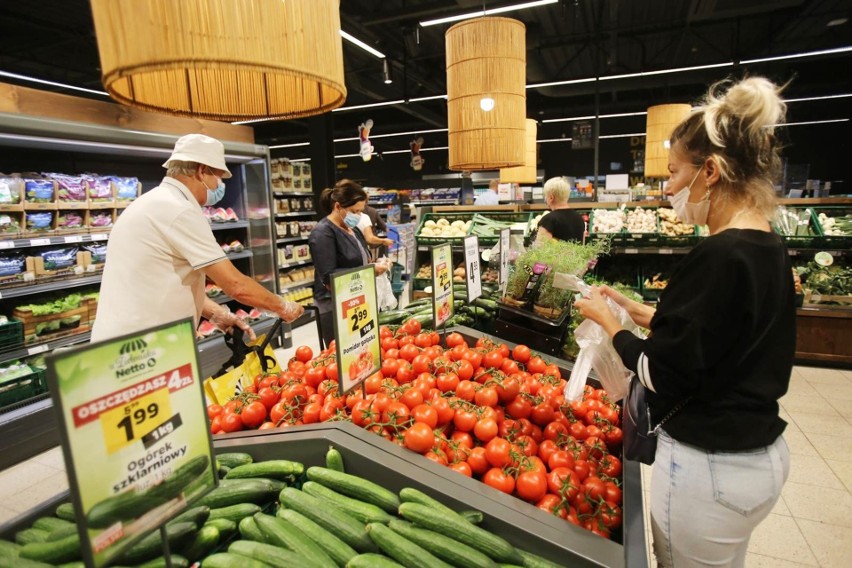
131, 346
134, 357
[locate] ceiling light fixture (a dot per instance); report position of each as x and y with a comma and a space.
486, 104
371, 105
803, 99
591, 117
548, 140
486, 12
432, 98
609, 136
369, 49
813, 122
421, 149
836, 22
630, 75
386, 72
296, 145
798, 55
51, 83
301, 160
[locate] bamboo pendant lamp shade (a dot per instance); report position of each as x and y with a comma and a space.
486, 59
222, 60
527, 172
661, 121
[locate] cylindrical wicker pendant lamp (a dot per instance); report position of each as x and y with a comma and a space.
662, 120
232, 60
527, 172
486, 93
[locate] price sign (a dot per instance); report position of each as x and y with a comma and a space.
473, 273
504, 256
133, 426
100, 237
7, 244
356, 333
442, 284
39, 242
73, 239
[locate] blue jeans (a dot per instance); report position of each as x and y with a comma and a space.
705, 505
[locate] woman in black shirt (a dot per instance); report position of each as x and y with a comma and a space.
723, 337
337, 244
561, 223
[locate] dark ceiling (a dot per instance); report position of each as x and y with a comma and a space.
572, 39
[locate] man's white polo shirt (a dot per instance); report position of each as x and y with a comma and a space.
155, 256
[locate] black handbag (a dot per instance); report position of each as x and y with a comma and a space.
639, 442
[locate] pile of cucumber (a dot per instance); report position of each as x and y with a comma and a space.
479, 314
277, 513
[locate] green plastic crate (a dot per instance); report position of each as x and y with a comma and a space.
426, 240
11, 334
22, 388
504, 217
832, 241
617, 237
642, 239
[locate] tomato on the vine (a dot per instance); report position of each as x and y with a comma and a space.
419, 438
253, 414
531, 485
499, 480
521, 353
304, 353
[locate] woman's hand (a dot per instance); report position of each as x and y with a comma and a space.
594, 307
638, 312
381, 266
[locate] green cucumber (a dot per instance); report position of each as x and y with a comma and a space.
279, 532
205, 541
364, 512
530, 560
250, 531
234, 513
275, 469
392, 317
174, 484
258, 491
373, 560
510, 566
151, 545
222, 471
273, 485
75, 564
197, 515
456, 527
50, 524
8, 548
474, 517
28, 536
338, 550
122, 507
411, 495
268, 553
348, 529
356, 487
490, 305
66, 511
228, 560
61, 532
15, 562
177, 560
233, 459
56, 552
444, 547
334, 459
226, 527
401, 549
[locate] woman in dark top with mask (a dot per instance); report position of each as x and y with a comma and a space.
337, 244
722, 337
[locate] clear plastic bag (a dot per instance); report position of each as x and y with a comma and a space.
597, 353
384, 292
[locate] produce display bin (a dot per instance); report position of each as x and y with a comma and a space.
504, 217
832, 241
617, 237
651, 238
22, 388
426, 240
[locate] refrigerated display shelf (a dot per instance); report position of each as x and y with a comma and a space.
296, 214
239, 255
290, 240
292, 194
52, 241
294, 264
229, 225
21, 291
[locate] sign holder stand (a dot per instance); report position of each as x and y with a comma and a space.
442, 287
473, 277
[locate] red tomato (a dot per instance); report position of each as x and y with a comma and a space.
552, 504
521, 353
593, 487
268, 397
492, 360
214, 410
564, 482
444, 410
465, 370
486, 396
499, 479
612, 492
542, 414
436, 457
485, 429
610, 466
421, 364
455, 339
412, 397
331, 372
466, 390
508, 388
396, 414
531, 485
555, 431
304, 353
474, 358
519, 407
426, 414
462, 468
560, 458
497, 452
464, 420
419, 438
536, 364
253, 414
477, 461
311, 413
546, 449
447, 382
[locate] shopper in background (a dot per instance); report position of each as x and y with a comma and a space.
370, 219
561, 223
722, 338
488, 197
336, 243
161, 250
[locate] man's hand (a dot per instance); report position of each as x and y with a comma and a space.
289, 311
225, 320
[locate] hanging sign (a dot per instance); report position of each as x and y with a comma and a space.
504, 256
366, 151
356, 330
134, 434
471, 263
417, 160
442, 284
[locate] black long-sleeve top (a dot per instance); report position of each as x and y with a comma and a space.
564, 224
724, 334
333, 249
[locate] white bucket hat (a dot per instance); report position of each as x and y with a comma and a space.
200, 149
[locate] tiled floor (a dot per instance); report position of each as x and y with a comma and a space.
810, 526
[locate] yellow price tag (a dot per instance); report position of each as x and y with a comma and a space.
358, 316
127, 424
444, 278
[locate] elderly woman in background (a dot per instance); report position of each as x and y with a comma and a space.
561, 223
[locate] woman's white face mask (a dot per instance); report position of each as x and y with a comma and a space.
691, 213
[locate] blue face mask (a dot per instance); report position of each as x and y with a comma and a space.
215, 195
351, 220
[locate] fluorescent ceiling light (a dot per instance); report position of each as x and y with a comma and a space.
51, 83
798, 55
604, 137
353, 155
301, 160
836, 22
487, 12
371, 105
813, 122
432, 98
591, 116
546, 140
396, 151
362, 45
631, 75
296, 145
843, 96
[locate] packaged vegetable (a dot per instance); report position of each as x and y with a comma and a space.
100, 219
98, 252
12, 264
9, 224
10, 189
39, 220
69, 220
59, 258
125, 187
38, 190
69, 188
100, 189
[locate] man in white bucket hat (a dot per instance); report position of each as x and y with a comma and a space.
162, 249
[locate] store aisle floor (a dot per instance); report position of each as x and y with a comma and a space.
810, 525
